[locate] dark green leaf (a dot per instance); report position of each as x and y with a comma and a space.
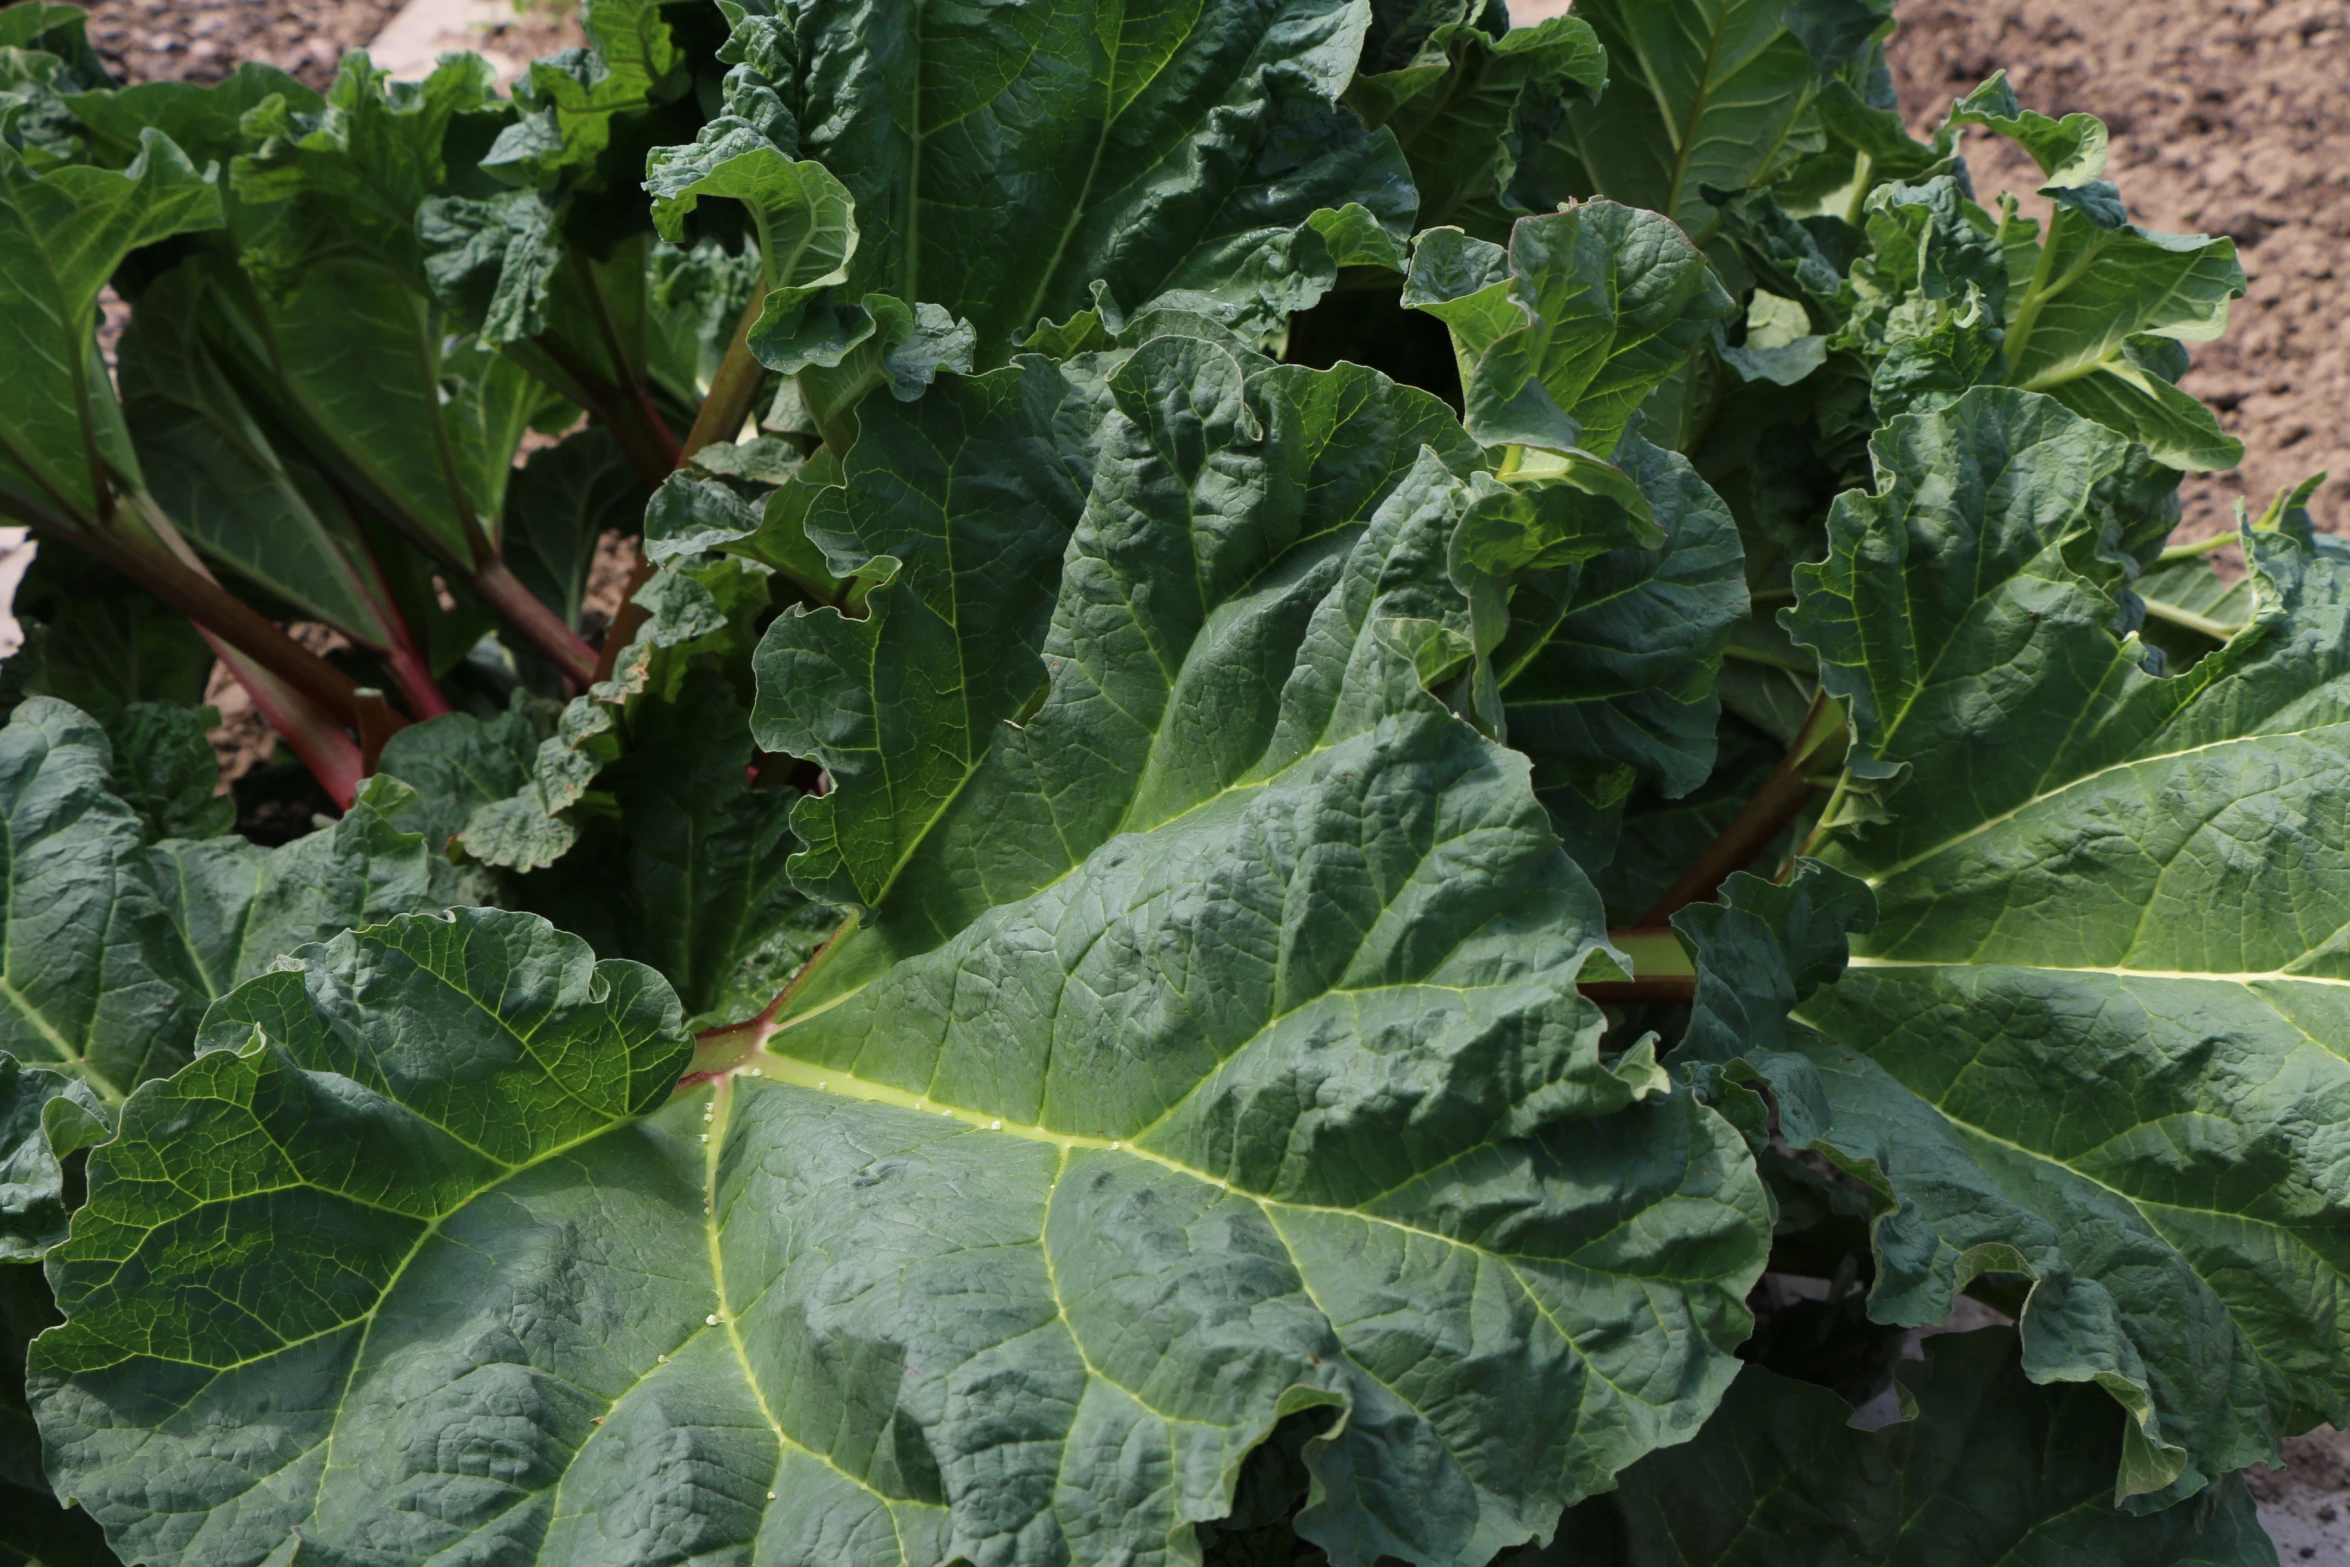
954, 512
1298, 943
165, 769
2083, 1043
97, 640
562, 503
268, 517
1700, 93
113, 948
1469, 107
1990, 1468
46, 1118
1563, 335
62, 234
1021, 167
1612, 663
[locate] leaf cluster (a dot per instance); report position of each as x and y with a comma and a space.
1371, 788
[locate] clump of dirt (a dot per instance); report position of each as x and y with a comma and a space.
2228, 117
204, 40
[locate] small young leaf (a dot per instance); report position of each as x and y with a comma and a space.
1561, 336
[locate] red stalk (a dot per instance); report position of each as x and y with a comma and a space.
1782, 798
544, 628
331, 755
162, 563
408, 666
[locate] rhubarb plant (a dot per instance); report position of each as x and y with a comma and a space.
1312, 781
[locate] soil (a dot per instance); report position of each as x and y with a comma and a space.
204, 40
2227, 118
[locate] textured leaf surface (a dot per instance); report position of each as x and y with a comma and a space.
1004, 165
166, 770
61, 237
956, 509
115, 947
1257, 1084
1470, 107
2091, 1038
1990, 1469
1700, 92
1563, 334
1611, 664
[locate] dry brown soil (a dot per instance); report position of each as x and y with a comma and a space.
204, 40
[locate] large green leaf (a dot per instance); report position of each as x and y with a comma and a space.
62, 234
2089, 1038
1470, 107
1610, 665
361, 369
226, 485
956, 511
1255, 1088
1015, 166
1989, 1468
1564, 333
1701, 93
114, 947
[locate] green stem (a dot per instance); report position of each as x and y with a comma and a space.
2201, 625
2196, 550
1819, 829
2019, 330
1856, 210
1661, 970
735, 386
